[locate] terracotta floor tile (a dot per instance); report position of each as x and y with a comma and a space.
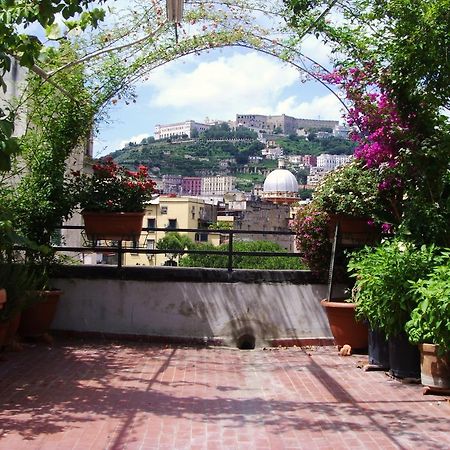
104, 396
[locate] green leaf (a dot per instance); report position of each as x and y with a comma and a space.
53, 31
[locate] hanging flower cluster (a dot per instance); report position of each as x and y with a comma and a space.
113, 188
381, 132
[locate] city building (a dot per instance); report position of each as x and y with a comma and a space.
217, 186
272, 152
171, 213
181, 129
171, 184
256, 215
191, 186
315, 176
285, 123
331, 162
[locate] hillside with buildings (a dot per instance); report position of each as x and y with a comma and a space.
246, 149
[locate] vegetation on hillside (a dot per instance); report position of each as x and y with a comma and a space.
201, 156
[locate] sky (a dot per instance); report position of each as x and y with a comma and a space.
217, 85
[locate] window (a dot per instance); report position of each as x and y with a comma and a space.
163, 209
172, 224
151, 244
201, 237
151, 223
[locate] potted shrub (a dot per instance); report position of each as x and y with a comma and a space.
350, 195
429, 325
313, 244
113, 199
383, 296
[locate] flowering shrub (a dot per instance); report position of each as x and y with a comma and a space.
112, 188
311, 240
353, 190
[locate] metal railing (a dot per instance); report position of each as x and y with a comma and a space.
118, 248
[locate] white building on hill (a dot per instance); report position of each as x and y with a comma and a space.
180, 129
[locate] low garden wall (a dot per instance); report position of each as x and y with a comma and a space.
193, 305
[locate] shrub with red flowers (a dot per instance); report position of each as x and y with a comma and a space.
113, 188
311, 239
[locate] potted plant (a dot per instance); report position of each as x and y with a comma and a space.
113, 199
350, 195
313, 244
429, 325
383, 296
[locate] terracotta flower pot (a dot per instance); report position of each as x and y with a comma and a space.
434, 369
37, 319
354, 231
114, 226
344, 326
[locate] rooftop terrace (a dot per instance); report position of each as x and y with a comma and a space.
103, 395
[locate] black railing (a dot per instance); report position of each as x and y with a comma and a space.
117, 247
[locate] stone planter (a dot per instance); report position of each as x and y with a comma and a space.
344, 326
434, 368
114, 226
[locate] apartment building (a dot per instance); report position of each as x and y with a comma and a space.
171, 213
191, 186
331, 162
217, 185
179, 129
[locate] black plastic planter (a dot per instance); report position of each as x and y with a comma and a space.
404, 358
378, 350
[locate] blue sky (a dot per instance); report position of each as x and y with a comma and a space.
217, 85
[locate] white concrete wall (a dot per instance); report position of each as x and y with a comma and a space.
269, 311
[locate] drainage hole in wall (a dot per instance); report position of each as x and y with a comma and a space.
246, 342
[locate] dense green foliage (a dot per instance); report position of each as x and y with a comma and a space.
430, 320
243, 262
14, 43
383, 274
294, 145
198, 157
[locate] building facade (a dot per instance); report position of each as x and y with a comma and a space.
191, 186
330, 162
171, 213
217, 185
286, 124
181, 129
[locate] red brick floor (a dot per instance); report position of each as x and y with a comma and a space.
83, 396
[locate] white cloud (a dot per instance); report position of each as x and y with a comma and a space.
221, 88
326, 107
136, 139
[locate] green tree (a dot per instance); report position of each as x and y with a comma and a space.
175, 244
243, 261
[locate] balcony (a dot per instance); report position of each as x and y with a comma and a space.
144, 388
196, 305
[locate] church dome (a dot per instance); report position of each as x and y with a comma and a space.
280, 187
280, 180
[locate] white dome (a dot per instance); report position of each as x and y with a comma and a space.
281, 180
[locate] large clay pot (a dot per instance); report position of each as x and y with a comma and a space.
434, 368
344, 326
113, 226
354, 231
37, 319
404, 358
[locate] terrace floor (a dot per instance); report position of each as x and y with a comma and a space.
100, 395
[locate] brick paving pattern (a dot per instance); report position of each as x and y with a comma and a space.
80, 396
